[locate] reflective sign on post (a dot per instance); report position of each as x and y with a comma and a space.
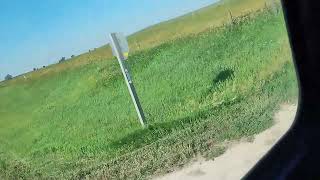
120, 45
123, 45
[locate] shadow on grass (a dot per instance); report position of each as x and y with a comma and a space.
219, 78
223, 76
157, 131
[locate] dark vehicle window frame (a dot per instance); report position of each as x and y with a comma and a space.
296, 155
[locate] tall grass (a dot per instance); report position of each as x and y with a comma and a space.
196, 91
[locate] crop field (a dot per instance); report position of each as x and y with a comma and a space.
197, 91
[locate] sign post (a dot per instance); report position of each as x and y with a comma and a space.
120, 49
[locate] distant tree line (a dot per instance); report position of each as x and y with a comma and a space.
62, 59
8, 77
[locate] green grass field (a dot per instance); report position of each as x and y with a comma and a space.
197, 91
209, 17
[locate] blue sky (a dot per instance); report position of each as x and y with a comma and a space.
34, 33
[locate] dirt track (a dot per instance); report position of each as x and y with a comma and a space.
241, 156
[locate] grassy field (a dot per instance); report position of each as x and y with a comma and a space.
209, 17
197, 91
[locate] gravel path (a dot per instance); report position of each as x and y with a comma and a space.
240, 157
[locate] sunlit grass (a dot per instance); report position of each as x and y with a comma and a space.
196, 91
209, 17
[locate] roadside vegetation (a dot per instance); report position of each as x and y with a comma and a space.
197, 91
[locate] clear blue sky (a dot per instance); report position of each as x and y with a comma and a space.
34, 33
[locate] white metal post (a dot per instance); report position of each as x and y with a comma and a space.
119, 54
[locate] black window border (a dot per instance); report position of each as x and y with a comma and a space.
297, 154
